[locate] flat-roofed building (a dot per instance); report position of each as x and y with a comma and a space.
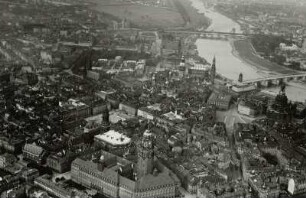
112, 139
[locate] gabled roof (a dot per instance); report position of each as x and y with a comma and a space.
33, 148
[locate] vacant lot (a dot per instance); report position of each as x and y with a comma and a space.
141, 16
247, 53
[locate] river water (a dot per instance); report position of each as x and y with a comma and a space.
228, 63
219, 23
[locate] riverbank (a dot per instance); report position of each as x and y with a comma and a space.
193, 19
231, 60
217, 9
219, 22
259, 70
245, 51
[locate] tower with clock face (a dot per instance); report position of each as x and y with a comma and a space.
145, 154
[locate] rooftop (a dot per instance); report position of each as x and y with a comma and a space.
173, 116
33, 148
120, 115
71, 104
114, 138
198, 66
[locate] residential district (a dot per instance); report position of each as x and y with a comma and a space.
91, 107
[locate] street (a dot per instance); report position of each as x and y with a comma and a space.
231, 116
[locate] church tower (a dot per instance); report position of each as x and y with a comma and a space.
145, 154
213, 71
240, 79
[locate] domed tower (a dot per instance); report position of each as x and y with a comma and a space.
213, 71
145, 154
281, 110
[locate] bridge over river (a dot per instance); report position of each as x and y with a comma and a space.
274, 80
211, 34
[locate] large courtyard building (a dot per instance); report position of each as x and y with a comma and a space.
114, 176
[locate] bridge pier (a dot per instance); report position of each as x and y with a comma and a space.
274, 82
280, 81
203, 35
300, 78
257, 84
213, 35
277, 81
265, 83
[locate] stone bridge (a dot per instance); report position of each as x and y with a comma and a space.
274, 80
210, 34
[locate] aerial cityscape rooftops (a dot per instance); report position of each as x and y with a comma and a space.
152, 99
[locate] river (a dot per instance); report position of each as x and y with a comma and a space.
219, 23
228, 64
